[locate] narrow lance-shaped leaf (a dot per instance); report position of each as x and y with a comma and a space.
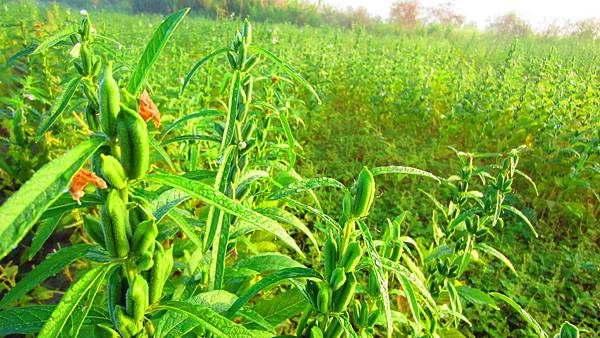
210, 196
44, 231
209, 320
153, 49
49, 267
492, 251
24, 320
186, 228
267, 281
520, 215
394, 169
300, 186
53, 40
71, 299
234, 99
524, 314
291, 71
63, 101
378, 270
24, 207
192, 72
290, 138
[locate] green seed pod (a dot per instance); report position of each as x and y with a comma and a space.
90, 117
338, 278
247, 32
144, 236
114, 222
114, 292
335, 329
85, 53
343, 296
231, 60
329, 257
135, 146
365, 193
315, 332
373, 287
364, 315
144, 262
347, 204
351, 256
93, 229
113, 171
159, 274
357, 311
110, 100
373, 318
103, 331
324, 299
126, 325
137, 298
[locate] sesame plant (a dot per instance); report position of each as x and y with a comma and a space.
190, 218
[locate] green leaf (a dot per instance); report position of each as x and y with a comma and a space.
208, 319
232, 113
44, 230
192, 72
568, 330
529, 179
189, 138
153, 49
202, 113
48, 268
267, 262
24, 207
71, 299
291, 71
300, 186
381, 277
267, 281
281, 307
162, 204
524, 314
289, 137
23, 52
475, 296
520, 215
412, 300
455, 304
187, 229
24, 320
394, 169
492, 251
286, 217
63, 101
210, 196
53, 40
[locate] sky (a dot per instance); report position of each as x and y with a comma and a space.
537, 12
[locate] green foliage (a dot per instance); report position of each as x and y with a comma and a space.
217, 234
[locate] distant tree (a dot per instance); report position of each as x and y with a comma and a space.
553, 29
509, 24
586, 28
405, 13
445, 14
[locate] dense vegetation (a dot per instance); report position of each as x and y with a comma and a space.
497, 231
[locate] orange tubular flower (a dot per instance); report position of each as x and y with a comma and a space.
81, 180
148, 109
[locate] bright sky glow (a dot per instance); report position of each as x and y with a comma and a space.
538, 13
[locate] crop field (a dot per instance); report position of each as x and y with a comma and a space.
180, 176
